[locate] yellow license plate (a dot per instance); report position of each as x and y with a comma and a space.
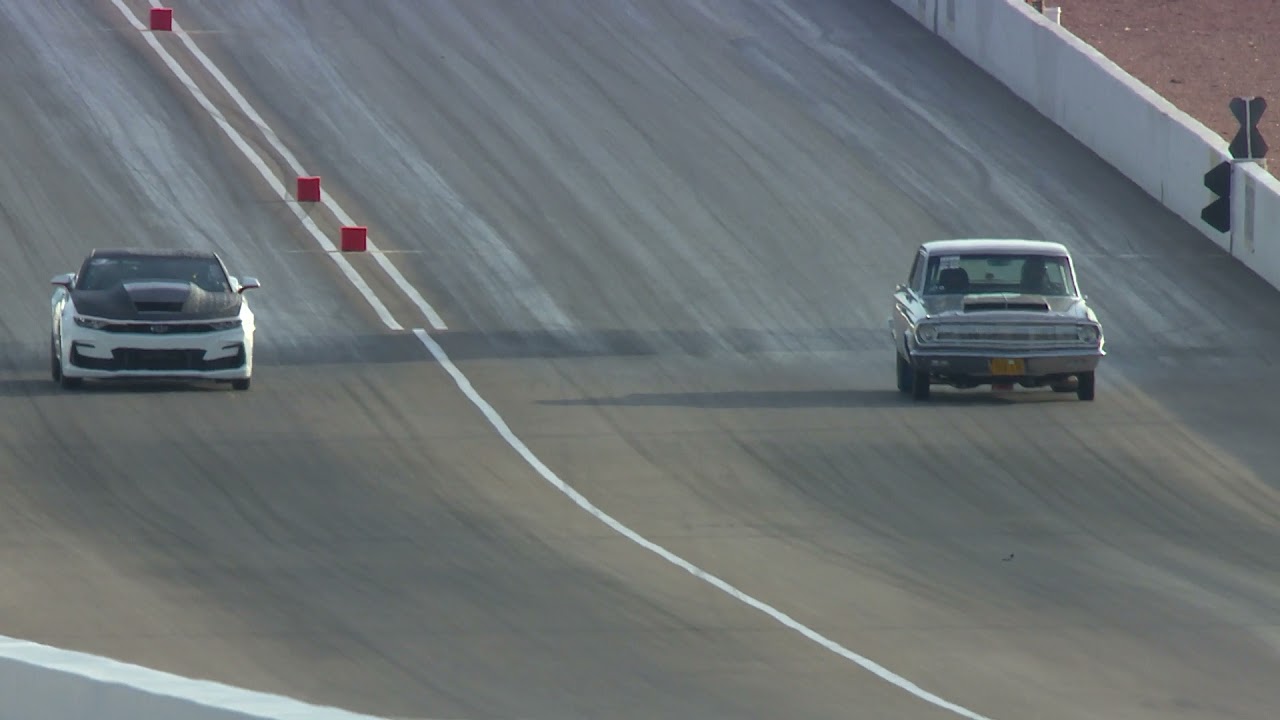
1008, 366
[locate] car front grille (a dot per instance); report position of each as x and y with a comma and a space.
996, 333
141, 328
123, 359
1049, 335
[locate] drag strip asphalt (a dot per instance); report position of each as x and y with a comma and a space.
661, 237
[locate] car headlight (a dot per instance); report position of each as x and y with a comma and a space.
1087, 333
91, 323
226, 324
927, 333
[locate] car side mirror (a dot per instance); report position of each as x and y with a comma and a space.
65, 280
249, 283
900, 287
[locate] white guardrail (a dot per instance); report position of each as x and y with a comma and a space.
1161, 148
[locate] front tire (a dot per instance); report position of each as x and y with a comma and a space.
55, 362
240, 384
920, 385
55, 368
905, 376
1085, 386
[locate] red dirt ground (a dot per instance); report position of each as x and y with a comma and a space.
1197, 53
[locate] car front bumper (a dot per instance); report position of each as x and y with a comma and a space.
219, 355
1009, 366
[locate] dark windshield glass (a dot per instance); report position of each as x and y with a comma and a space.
999, 273
104, 273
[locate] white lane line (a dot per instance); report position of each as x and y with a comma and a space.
147, 687
551, 477
326, 199
256, 160
500, 425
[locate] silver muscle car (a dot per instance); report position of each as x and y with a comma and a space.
994, 312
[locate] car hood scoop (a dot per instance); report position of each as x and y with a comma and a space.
986, 303
159, 296
978, 304
156, 300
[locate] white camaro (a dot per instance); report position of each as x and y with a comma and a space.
152, 314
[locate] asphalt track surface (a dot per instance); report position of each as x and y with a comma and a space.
663, 236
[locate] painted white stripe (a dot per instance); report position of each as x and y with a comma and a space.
145, 681
411, 292
551, 477
496, 420
258, 163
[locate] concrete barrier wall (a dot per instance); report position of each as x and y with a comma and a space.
38, 681
1255, 213
1159, 147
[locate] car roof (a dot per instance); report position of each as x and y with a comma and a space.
126, 252
995, 245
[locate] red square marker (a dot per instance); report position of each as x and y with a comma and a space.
308, 189
354, 238
161, 18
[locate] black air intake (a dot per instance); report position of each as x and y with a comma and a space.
1001, 305
144, 306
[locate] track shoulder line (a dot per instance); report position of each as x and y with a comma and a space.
156, 683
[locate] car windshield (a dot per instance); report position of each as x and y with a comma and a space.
104, 273
999, 273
